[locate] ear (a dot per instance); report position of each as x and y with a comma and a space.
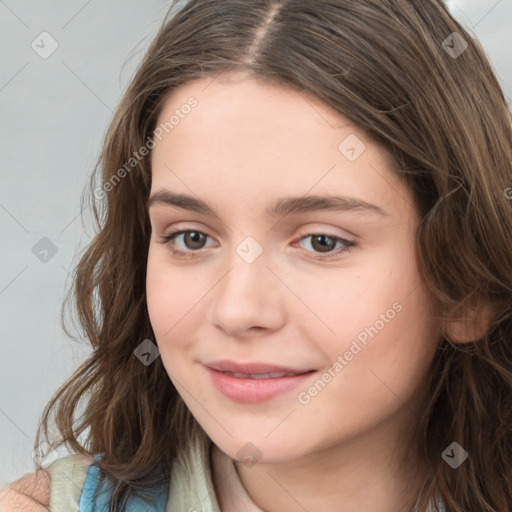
468, 323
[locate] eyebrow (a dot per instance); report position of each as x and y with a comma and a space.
281, 207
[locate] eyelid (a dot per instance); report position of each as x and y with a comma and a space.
318, 229
183, 226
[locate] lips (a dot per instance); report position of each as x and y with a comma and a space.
275, 375
255, 370
253, 388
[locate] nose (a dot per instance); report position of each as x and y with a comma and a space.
248, 297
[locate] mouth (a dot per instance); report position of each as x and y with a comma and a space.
255, 369
253, 388
258, 376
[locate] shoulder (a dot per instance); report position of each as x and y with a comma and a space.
30, 493
49, 489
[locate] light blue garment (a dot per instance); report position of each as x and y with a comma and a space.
94, 499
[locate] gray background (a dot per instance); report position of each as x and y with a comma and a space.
55, 112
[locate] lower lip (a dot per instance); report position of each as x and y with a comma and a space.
254, 390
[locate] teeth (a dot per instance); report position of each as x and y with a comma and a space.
260, 376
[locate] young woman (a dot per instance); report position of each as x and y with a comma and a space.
300, 293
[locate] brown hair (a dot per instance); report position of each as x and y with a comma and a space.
443, 118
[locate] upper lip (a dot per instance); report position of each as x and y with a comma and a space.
255, 368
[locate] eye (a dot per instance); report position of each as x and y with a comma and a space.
195, 241
326, 243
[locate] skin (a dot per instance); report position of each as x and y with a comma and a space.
246, 144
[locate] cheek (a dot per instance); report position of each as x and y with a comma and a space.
345, 302
174, 298
164, 295
387, 350
380, 312
159, 303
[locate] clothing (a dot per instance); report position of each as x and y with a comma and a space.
74, 480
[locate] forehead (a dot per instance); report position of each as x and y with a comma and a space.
250, 94
253, 138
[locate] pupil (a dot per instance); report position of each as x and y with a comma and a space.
195, 237
322, 239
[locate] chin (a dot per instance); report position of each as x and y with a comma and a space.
259, 451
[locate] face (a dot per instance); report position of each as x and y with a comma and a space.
326, 290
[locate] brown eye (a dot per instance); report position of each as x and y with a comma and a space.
194, 239
324, 245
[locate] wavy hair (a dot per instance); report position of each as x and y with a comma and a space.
387, 66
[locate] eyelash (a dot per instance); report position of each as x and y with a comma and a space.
166, 240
